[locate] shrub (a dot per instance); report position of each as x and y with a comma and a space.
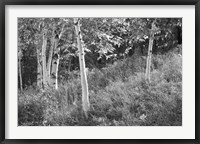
172, 68
30, 109
119, 96
97, 80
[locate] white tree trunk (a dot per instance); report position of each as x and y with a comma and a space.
84, 84
56, 60
55, 64
49, 63
54, 71
20, 73
148, 64
44, 44
39, 68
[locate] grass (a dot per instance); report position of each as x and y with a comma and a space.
119, 96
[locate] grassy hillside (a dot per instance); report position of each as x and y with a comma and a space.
119, 96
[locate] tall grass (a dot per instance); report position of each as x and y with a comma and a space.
119, 96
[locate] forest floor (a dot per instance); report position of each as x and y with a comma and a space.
119, 96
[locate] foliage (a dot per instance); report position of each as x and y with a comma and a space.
115, 101
106, 40
115, 54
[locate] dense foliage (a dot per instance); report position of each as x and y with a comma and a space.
115, 56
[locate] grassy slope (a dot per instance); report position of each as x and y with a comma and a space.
119, 95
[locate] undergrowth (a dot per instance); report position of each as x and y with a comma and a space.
119, 96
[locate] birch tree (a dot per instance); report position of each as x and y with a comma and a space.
149, 55
44, 44
55, 63
20, 68
49, 63
39, 43
84, 84
105, 40
39, 67
55, 59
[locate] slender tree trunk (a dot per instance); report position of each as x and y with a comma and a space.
148, 64
85, 94
20, 73
44, 44
54, 70
55, 62
39, 69
56, 59
49, 63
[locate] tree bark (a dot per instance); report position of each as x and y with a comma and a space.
39, 68
57, 66
148, 64
20, 73
56, 59
44, 74
49, 63
55, 62
84, 84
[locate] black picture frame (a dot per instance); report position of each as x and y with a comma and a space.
3, 3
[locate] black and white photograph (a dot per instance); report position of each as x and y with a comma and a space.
99, 71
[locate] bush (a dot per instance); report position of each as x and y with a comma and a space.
30, 109
172, 68
119, 96
97, 80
